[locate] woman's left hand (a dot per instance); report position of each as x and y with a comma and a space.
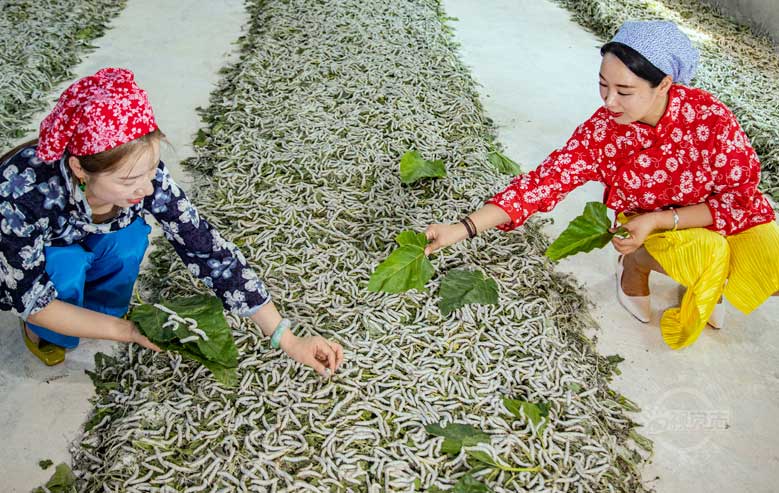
639, 228
315, 351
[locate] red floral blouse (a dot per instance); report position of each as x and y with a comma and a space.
696, 153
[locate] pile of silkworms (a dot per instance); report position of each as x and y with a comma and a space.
738, 66
174, 321
299, 168
41, 40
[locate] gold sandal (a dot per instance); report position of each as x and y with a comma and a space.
49, 353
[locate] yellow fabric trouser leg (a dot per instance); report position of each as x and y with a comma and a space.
702, 261
754, 267
698, 259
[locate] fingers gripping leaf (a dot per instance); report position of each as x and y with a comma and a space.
585, 233
406, 268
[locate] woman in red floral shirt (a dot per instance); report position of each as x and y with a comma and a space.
679, 171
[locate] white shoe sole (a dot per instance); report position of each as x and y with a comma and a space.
638, 306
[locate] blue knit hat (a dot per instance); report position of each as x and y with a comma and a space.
664, 45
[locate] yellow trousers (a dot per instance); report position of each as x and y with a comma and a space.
743, 267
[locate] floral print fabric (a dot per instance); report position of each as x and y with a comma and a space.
40, 206
95, 114
697, 153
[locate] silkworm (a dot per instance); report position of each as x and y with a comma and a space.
302, 173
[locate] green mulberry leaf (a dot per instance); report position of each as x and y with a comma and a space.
585, 233
462, 287
504, 164
413, 167
457, 436
406, 268
537, 413
218, 353
62, 481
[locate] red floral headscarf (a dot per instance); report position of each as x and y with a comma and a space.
95, 114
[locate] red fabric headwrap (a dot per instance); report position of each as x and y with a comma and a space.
95, 114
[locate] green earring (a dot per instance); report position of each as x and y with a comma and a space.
82, 186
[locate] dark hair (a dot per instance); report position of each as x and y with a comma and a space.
110, 159
635, 61
102, 161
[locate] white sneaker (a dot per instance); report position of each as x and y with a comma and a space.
638, 306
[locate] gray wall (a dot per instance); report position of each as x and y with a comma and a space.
762, 14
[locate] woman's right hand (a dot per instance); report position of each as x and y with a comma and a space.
442, 235
130, 333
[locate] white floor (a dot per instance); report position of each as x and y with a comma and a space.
709, 408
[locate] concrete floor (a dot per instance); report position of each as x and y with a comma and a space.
708, 408
175, 49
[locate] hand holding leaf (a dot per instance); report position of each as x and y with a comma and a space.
638, 228
406, 268
586, 232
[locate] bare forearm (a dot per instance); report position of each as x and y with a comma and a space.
692, 216
488, 217
72, 320
268, 318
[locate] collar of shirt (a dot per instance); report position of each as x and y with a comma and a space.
670, 118
82, 212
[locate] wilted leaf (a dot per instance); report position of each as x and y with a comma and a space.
457, 436
45, 464
642, 441
201, 139
413, 167
62, 481
406, 268
486, 459
462, 287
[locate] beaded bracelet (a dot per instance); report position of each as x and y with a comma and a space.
469, 227
275, 339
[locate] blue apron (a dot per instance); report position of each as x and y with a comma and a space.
98, 273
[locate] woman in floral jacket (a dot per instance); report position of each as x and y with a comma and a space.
678, 170
73, 235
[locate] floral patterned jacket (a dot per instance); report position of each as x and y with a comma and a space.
41, 207
697, 153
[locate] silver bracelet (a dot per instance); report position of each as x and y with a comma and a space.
676, 219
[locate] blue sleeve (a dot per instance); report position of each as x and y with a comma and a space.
217, 262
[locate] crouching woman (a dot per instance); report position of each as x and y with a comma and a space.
72, 206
